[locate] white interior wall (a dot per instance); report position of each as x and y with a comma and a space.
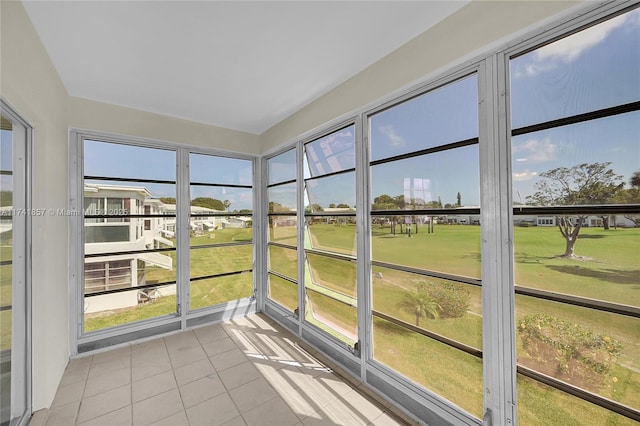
472, 30
31, 85
29, 82
97, 116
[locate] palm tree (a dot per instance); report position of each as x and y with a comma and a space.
420, 304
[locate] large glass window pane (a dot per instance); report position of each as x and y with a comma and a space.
331, 233
217, 199
447, 308
336, 276
150, 276
282, 198
332, 153
220, 170
449, 244
329, 280
283, 261
445, 115
542, 404
107, 159
220, 273
121, 248
283, 292
335, 193
591, 349
590, 70
421, 323
428, 181
450, 372
283, 230
282, 168
333, 315
6, 266
576, 199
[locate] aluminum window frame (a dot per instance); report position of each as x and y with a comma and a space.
498, 296
21, 356
183, 318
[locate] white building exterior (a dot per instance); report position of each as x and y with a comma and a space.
127, 234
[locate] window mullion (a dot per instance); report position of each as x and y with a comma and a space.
498, 336
183, 212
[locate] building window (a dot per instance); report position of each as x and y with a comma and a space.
576, 155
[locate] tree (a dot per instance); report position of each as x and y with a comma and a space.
420, 304
582, 184
459, 198
631, 196
208, 203
226, 204
168, 200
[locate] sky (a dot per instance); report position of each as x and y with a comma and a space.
595, 68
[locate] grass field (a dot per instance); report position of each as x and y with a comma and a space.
203, 293
609, 271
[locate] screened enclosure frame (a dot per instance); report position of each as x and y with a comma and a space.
184, 316
498, 352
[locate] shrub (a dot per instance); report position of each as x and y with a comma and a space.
452, 298
575, 353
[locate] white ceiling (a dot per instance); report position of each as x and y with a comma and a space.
242, 65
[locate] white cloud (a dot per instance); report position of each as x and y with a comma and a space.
395, 139
535, 151
570, 48
524, 176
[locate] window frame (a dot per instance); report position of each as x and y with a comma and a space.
183, 318
498, 298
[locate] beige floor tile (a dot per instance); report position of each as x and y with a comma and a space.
202, 389
210, 333
71, 377
39, 418
194, 371
101, 383
121, 417
64, 415
385, 419
68, 394
178, 419
149, 368
79, 364
363, 407
274, 413
157, 408
227, 359
252, 394
111, 354
235, 422
154, 345
153, 386
216, 347
184, 356
145, 356
109, 365
104, 403
214, 411
239, 375
181, 341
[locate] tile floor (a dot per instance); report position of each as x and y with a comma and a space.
246, 371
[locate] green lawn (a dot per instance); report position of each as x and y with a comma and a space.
609, 271
206, 292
